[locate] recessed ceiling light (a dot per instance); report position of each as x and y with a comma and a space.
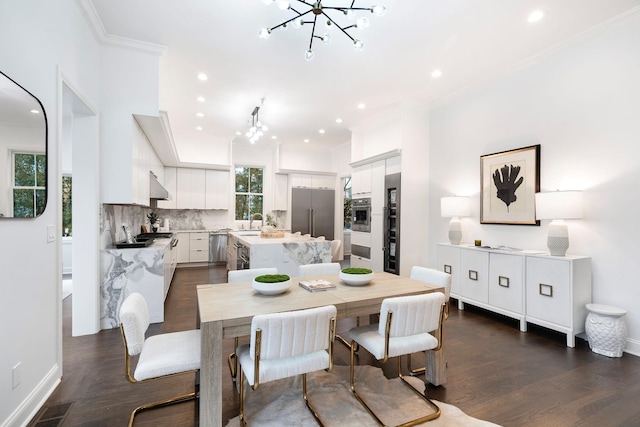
321, 131
536, 15
199, 128
200, 99
238, 133
306, 140
274, 137
362, 106
200, 114
202, 76
436, 73
338, 120
34, 111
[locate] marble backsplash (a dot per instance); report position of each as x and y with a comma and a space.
113, 216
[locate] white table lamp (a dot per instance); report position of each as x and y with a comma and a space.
558, 206
454, 207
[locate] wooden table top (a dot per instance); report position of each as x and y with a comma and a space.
235, 304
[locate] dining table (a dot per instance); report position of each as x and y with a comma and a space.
225, 310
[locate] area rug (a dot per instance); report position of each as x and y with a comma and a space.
280, 403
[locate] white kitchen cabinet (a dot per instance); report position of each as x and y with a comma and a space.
170, 184
280, 192
301, 180
557, 292
191, 187
169, 263
361, 180
199, 247
183, 250
217, 189
360, 262
232, 252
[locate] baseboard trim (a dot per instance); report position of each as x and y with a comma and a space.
632, 347
30, 406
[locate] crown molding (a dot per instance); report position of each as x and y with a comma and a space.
93, 19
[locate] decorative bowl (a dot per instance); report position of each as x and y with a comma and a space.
356, 279
271, 287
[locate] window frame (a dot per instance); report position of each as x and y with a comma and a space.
247, 193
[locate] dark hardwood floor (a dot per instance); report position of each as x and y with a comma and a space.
495, 373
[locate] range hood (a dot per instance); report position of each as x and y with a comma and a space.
156, 190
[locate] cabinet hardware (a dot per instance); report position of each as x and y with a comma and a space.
503, 281
545, 290
447, 269
473, 275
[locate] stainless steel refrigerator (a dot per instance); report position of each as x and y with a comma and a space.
313, 211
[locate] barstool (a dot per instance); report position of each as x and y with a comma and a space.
606, 329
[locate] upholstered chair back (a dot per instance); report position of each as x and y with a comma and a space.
433, 277
134, 316
249, 274
412, 315
317, 269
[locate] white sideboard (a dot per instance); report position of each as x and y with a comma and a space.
529, 286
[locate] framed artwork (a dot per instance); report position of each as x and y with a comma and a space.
508, 183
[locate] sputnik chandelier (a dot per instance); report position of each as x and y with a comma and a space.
257, 128
321, 11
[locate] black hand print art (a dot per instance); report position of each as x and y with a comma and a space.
507, 183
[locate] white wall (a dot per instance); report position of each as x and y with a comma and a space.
38, 37
581, 105
310, 158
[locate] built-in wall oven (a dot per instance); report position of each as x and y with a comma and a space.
361, 214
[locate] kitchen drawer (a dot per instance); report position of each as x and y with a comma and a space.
199, 241
199, 255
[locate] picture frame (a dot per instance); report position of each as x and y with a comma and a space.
508, 183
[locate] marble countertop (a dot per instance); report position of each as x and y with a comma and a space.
252, 237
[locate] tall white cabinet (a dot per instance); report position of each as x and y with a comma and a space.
531, 287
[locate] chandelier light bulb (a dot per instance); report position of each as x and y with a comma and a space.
259, 124
308, 55
378, 10
326, 38
252, 129
358, 45
264, 33
362, 23
297, 23
248, 134
284, 27
283, 4
350, 14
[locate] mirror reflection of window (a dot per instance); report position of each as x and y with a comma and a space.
23, 152
67, 223
29, 184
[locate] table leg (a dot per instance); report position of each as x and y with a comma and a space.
436, 363
211, 374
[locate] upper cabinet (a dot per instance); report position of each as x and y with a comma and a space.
196, 189
127, 174
217, 189
301, 180
280, 192
361, 180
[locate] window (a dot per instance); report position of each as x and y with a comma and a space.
347, 203
67, 224
29, 184
248, 192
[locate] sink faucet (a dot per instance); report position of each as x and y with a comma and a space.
254, 217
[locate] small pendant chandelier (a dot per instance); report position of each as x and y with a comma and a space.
318, 10
257, 128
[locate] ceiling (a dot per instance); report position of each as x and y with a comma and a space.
470, 41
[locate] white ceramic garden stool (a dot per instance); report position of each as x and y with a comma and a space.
606, 329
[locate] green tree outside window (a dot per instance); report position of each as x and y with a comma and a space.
29, 184
249, 197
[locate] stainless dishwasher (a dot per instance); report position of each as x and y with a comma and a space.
218, 247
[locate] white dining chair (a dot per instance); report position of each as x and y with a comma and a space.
432, 277
405, 327
238, 276
318, 269
335, 250
285, 345
160, 356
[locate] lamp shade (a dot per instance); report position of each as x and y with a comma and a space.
559, 205
454, 206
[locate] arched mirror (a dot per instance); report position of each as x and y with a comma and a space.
23, 152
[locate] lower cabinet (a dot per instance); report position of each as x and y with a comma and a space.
199, 247
360, 262
183, 247
537, 288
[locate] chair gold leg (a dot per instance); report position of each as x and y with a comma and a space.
416, 371
159, 404
233, 360
241, 416
352, 383
306, 400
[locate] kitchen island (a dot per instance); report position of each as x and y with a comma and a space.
147, 270
285, 253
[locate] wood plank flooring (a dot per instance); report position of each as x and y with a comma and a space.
495, 373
